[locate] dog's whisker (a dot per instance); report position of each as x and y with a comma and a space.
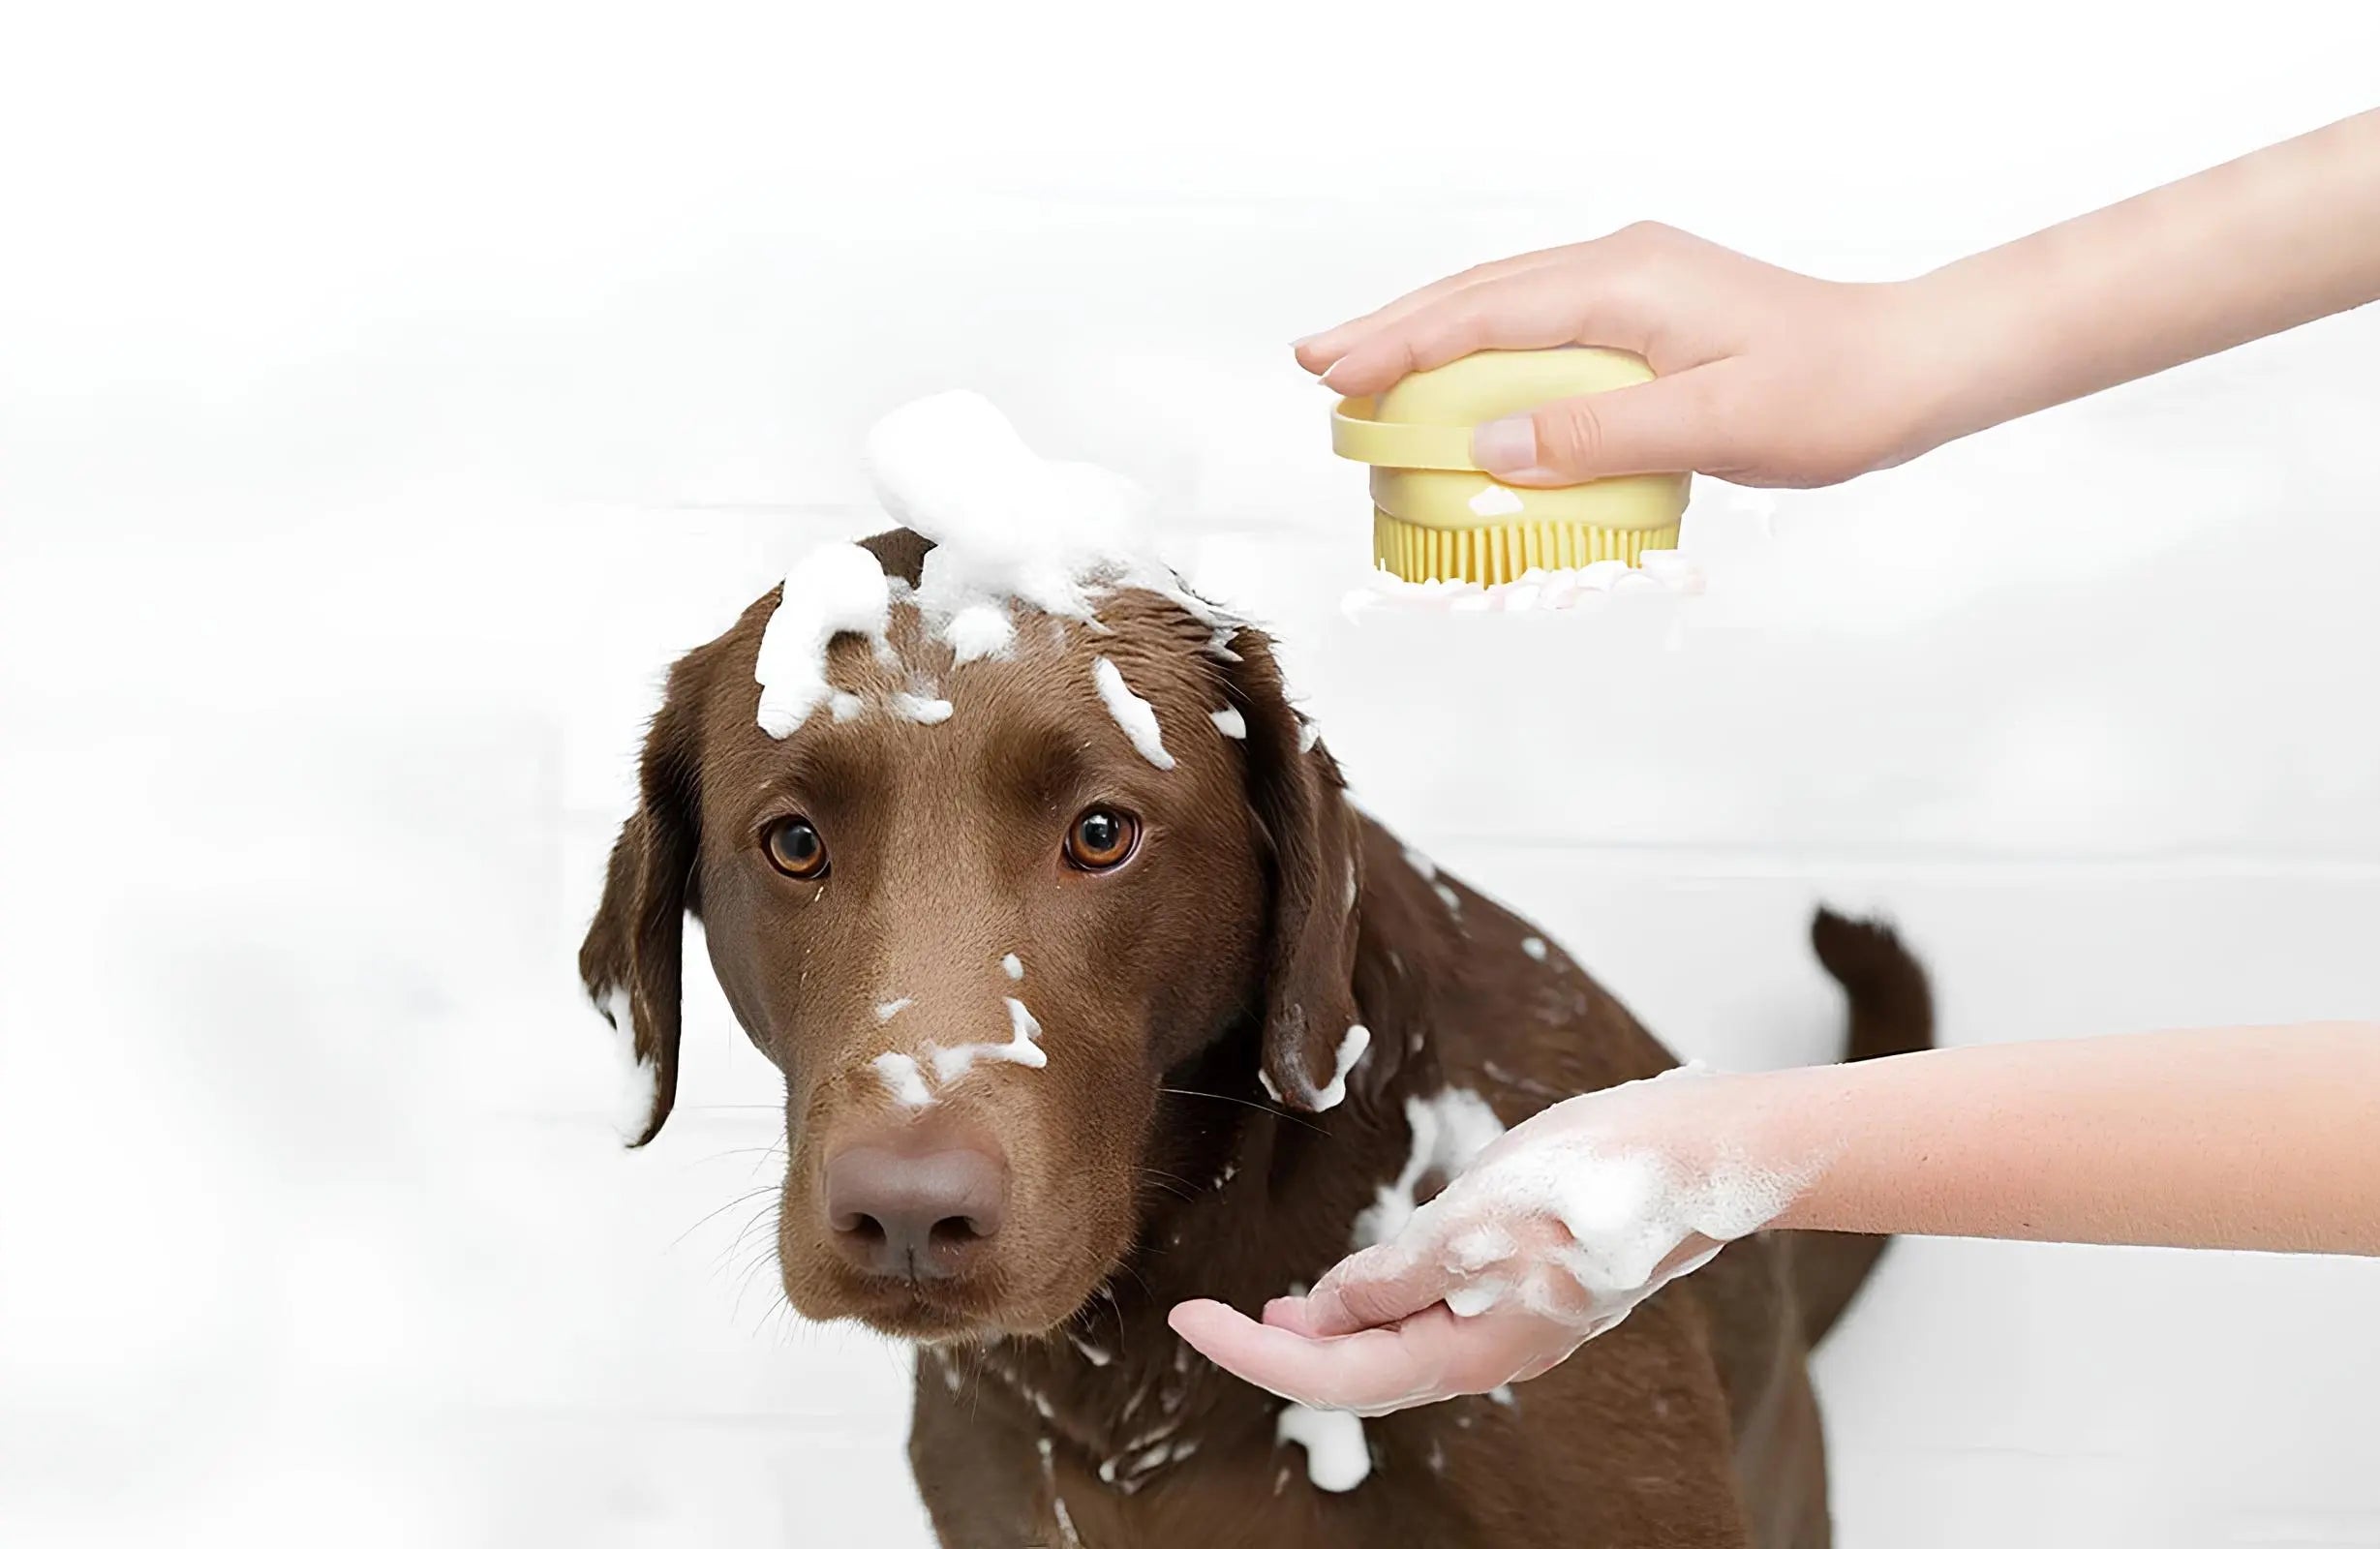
1261, 1108
748, 1194
744, 1287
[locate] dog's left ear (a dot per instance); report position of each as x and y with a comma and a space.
1299, 801
632, 960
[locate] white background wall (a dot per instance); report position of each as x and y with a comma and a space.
386, 395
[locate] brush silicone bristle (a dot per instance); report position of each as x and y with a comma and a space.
1492, 556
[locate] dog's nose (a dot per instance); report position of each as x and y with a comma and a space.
916, 1205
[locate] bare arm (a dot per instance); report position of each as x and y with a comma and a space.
1768, 376
2257, 1137
2264, 1137
2250, 248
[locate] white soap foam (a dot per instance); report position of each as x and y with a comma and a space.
1350, 1049
1537, 590
1009, 524
979, 630
1136, 715
640, 1082
1308, 734
921, 709
1480, 1247
846, 707
903, 1079
1229, 722
1013, 966
1005, 520
1534, 946
1634, 1221
1448, 897
1449, 1129
1473, 1296
836, 589
887, 1010
1497, 499
1022, 1049
1422, 863
1338, 1458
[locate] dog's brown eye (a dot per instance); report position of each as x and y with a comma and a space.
795, 848
1102, 838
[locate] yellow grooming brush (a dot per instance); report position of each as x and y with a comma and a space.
1436, 517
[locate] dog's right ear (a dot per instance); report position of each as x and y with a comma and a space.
633, 958
1311, 1042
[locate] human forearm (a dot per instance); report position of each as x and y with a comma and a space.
2234, 1137
2258, 245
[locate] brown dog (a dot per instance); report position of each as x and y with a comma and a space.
1022, 982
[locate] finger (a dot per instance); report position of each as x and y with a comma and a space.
1375, 1371
1669, 425
1318, 352
1379, 1286
1290, 1312
1589, 301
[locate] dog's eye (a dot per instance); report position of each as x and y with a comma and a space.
795, 848
1102, 839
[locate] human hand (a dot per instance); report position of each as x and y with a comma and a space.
1762, 375
1552, 1237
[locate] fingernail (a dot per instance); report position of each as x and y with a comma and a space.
1504, 445
1334, 369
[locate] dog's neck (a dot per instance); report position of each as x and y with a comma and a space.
1256, 1202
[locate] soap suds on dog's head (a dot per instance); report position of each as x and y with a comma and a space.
922, 709
978, 631
837, 589
1009, 528
1005, 522
1136, 715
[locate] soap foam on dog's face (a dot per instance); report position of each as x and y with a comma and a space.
1043, 664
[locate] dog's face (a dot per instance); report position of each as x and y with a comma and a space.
976, 946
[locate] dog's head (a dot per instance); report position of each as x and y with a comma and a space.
976, 945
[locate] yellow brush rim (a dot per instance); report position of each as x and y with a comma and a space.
1492, 556
1438, 516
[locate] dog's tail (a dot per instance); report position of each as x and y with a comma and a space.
1891, 1013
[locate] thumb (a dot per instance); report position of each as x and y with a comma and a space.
1663, 426
1380, 1286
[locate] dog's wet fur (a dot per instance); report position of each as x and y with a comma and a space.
1258, 917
